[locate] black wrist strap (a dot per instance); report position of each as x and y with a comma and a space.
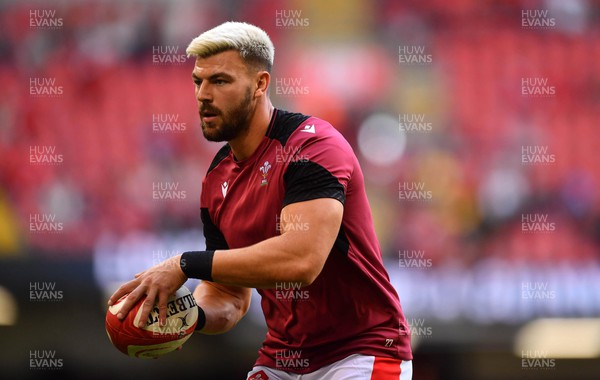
197, 264
201, 319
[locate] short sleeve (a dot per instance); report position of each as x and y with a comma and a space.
322, 166
213, 236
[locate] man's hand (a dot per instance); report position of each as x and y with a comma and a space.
161, 281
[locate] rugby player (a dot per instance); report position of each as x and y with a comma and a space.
285, 211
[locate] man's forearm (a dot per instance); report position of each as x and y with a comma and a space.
284, 258
223, 309
297, 255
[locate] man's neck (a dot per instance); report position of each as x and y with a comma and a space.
243, 146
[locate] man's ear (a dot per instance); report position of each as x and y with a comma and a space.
263, 78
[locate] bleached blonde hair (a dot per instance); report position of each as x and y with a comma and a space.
252, 42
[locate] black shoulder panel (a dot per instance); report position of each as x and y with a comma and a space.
284, 123
305, 181
220, 156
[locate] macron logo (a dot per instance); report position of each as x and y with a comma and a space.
224, 187
308, 128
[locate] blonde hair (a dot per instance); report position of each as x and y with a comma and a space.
254, 45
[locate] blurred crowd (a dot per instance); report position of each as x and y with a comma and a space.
98, 118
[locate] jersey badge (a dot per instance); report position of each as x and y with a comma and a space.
264, 169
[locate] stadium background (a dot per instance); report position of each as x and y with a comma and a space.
475, 123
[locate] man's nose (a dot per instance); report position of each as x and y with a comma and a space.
203, 93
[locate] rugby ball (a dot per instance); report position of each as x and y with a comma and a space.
153, 340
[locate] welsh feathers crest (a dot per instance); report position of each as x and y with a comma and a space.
264, 169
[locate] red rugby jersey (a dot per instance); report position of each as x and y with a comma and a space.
351, 307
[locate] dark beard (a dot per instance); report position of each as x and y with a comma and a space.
236, 123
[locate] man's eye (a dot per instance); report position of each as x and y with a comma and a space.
220, 81
197, 82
